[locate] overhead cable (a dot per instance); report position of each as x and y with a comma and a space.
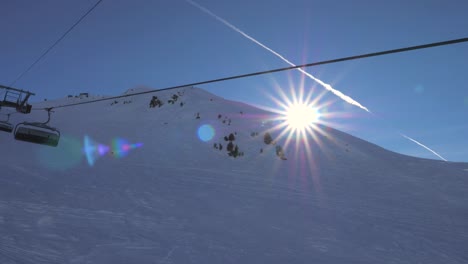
355, 57
55, 43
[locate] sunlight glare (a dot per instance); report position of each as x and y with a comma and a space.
300, 116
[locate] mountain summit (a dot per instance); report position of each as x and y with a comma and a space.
184, 176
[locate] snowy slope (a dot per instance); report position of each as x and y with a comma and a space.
177, 199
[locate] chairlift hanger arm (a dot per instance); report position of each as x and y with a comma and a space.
49, 110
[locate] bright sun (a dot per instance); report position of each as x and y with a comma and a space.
299, 116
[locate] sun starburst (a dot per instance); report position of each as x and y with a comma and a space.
300, 125
299, 115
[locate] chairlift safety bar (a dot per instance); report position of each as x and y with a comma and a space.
16, 89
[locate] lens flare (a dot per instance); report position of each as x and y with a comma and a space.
206, 133
119, 148
66, 156
93, 150
102, 149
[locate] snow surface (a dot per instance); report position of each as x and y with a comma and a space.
177, 199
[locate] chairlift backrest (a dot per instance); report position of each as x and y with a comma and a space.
37, 133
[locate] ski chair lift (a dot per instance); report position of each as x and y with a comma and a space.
5, 126
39, 133
16, 98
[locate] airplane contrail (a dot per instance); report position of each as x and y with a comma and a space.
325, 85
422, 145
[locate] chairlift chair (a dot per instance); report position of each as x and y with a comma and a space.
5, 126
39, 133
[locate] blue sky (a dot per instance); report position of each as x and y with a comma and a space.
124, 44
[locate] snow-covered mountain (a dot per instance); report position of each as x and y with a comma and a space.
176, 197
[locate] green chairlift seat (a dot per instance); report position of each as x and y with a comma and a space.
38, 133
